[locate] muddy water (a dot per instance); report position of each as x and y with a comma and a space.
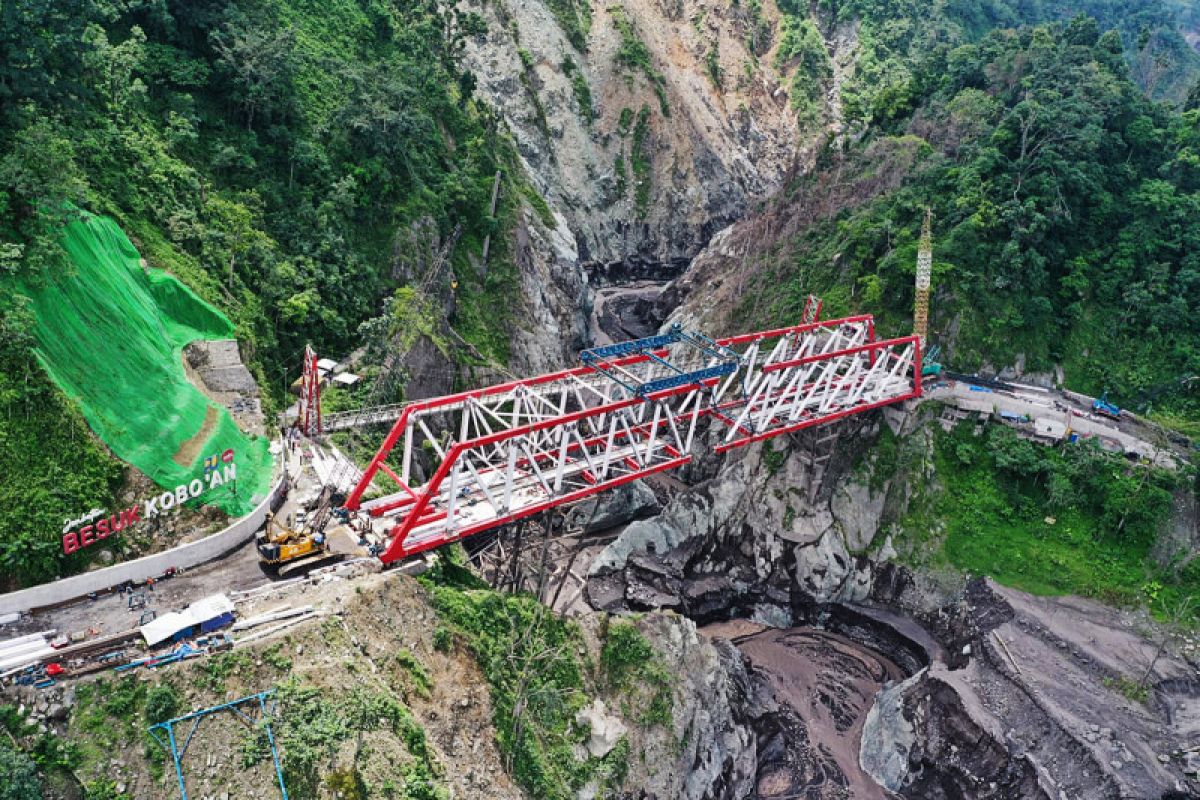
824, 684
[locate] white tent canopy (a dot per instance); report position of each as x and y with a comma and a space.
166, 626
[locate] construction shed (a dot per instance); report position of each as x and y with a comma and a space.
202, 616
1049, 429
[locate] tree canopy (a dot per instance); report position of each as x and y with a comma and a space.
1066, 206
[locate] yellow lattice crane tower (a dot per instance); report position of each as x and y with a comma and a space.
924, 268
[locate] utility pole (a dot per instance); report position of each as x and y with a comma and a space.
924, 271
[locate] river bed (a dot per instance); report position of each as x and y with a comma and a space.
824, 684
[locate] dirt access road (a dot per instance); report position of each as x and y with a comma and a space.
614, 312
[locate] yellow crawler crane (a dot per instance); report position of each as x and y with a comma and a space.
287, 550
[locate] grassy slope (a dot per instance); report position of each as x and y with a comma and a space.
980, 519
363, 702
541, 672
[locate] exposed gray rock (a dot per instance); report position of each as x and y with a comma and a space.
710, 752
746, 533
429, 370
220, 365
216, 368
688, 516
827, 572
888, 737
808, 528
606, 729
622, 505
553, 323
857, 511
710, 151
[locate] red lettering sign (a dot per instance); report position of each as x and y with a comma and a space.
70, 543
86, 536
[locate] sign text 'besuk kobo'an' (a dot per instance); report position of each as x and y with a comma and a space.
218, 471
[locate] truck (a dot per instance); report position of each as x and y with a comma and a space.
930, 366
1104, 408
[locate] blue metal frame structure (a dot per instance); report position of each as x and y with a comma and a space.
597, 357
171, 744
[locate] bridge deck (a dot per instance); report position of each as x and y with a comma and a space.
501, 453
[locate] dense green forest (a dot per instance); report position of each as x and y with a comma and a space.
267, 151
293, 161
895, 38
1071, 520
1066, 207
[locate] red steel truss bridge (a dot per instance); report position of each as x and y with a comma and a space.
497, 455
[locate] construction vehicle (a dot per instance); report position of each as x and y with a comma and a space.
1104, 408
930, 366
285, 550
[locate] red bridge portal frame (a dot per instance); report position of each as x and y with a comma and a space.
512, 450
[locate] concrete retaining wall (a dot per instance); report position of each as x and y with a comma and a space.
151, 566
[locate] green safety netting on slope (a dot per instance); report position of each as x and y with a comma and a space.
110, 333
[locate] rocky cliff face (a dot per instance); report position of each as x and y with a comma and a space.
648, 125
711, 752
759, 536
731, 279
1004, 695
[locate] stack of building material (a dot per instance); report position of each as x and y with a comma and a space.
333, 466
18, 653
271, 616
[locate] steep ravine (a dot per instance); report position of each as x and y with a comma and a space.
644, 127
650, 173
633, 185
825, 684
984, 692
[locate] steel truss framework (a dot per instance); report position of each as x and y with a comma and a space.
509, 451
262, 722
309, 419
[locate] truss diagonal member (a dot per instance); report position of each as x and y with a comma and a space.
828, 398
506, 452
436, 518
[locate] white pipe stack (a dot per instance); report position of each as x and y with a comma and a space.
271, 616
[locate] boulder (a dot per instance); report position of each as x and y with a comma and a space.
606, 729
625, 504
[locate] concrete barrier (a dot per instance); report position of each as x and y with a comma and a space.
183, 557
1076, 397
